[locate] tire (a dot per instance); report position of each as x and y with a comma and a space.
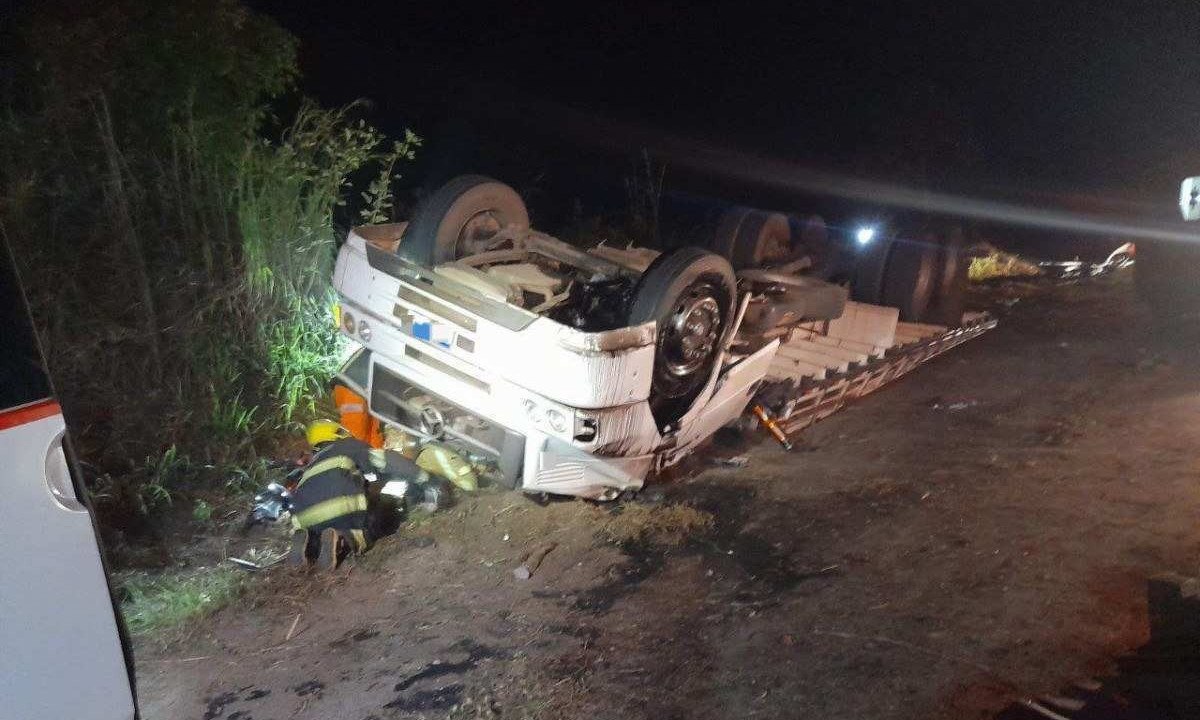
687, 283
870, 267
763, 239
726, 233
951, 287
911, 276
456, 220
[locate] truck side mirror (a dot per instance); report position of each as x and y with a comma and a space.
1189, 198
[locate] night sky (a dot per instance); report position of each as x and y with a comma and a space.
1064, 103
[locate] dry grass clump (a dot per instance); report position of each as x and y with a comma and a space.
659, 524
991, 262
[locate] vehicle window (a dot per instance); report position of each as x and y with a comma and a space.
22, 377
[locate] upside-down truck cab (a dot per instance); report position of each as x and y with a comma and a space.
557, 409
577, 372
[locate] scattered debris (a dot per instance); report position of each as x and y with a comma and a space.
1043, 710
954, 406
738, 461
1063, 703
257, 560
1088, 684
270, 505
292, 630
772, 426
245, 564
531, 561
1122, 257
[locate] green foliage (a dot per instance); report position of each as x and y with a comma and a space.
231, 418
202, 511
378, 198
159, 602
161, 473
303, 349
287, 196
177, 239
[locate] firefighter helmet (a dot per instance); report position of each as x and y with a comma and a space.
323, 431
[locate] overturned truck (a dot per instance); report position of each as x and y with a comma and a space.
579, 372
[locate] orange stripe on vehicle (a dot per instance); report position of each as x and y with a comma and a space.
29, 413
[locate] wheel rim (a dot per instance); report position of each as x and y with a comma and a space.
476, 234
691, 331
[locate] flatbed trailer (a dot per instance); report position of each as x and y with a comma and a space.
843, 362
542, 361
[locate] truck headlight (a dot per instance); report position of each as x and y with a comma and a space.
364, 330
864, 235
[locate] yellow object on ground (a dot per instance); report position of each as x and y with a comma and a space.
445, 462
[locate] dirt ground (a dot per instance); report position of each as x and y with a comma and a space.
980, 532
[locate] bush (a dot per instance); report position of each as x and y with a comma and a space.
177, 241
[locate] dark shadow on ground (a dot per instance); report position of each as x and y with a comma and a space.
1159, 681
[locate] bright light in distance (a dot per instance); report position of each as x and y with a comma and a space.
865, 235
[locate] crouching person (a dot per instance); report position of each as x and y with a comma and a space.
334, 513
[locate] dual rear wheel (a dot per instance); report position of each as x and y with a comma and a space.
922, 273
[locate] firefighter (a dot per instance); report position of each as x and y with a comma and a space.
334, 513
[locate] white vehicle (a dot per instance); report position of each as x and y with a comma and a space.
63, 651
579, 372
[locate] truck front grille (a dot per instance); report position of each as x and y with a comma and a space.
425, 413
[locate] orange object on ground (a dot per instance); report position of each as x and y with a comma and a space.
352, 411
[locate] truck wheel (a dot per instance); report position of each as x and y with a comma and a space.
869, 270
460, 219
764, 239
726, 233
951, 286
911, 275
691, 294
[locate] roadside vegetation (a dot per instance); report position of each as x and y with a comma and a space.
991, 263
155, 602
172, 205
